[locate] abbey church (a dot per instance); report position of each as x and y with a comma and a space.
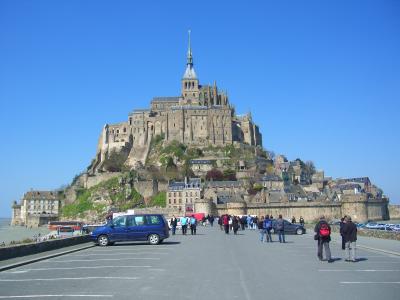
200, 116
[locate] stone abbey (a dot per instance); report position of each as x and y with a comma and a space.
200, 116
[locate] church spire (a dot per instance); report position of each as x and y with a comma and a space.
189, 53
189, 72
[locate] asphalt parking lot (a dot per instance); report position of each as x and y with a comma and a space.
210, 265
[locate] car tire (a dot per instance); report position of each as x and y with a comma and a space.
103, 241
154, 239
299, 231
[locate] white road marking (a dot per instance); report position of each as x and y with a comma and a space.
103, 259
52, 296
115, 254
73, 268
370, 282
336, 270
67, 278
114, 249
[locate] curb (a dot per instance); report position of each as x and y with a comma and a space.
379, 250
33, 260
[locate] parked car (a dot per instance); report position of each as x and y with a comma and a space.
372, 225
396, 227
147, 227
289, 228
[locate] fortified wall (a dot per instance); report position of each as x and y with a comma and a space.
358, 207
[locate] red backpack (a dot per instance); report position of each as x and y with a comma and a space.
324, 230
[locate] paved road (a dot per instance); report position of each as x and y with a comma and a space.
210, 265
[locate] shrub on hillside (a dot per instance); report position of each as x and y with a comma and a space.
115, 162
215, 175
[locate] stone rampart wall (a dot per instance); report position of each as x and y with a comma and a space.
394, 211
33, 248
146, 188
91, 181
376, 211
310, 211
167, 212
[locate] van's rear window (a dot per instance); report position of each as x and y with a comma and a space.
154, 220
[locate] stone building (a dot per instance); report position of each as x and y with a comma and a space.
200, 167
183, 195
36, 208
201, 115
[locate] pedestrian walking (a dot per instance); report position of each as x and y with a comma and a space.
211, 220
350, 238
301, 220
323, 236
280, 227
255, 222
174, 223
235, 224
243, 222
293, 220
249, 221
261, 229
193, 225
220, 223
341, 224
184, 223
225, 222
268, 227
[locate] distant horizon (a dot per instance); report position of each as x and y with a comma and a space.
321, 80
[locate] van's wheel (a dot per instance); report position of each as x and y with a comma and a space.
154, 239
299, 231
103, 240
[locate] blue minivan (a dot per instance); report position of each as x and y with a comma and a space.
147, 227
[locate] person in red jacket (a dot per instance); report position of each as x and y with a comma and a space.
323, 236
225, 222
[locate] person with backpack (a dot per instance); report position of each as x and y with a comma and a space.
349, 231
323, 236
193, 224
280, 227
267, 227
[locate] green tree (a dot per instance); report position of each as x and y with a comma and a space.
115, 161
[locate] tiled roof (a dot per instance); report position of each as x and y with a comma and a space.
41, 195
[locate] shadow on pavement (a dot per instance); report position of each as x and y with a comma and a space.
145, 244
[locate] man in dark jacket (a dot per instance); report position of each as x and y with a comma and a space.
323, 235
174, 223
349, 231
280, 227
341, 224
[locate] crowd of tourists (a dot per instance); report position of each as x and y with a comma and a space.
265, 226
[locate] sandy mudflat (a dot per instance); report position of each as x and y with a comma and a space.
18, 233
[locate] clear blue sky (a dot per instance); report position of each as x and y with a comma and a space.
321, 78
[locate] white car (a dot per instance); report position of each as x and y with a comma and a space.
179, 224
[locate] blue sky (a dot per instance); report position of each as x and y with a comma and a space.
321, 79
